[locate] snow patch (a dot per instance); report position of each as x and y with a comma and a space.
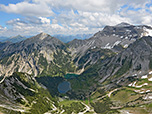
125, 46
133, 39
126, 37
137, 27
142, 34
121, 37
148, 32
132, 84
93, 47
150, 72
116, 43
147, 91
107, 46
148, 96
139, 91
144, 77
134, 75
137, 86
128, 30
135, 35
113, 35
150, 79
141, 85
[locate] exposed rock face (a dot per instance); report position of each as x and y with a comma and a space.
40, 42
21, 92
118, 56
9, 86
135, 60
114, 38
46, 55
35, 55
4, 44
111, 36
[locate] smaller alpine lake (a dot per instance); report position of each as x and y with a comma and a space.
64, 87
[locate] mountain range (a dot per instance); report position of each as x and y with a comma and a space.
108, 73
63, 38
68, 38
14, 39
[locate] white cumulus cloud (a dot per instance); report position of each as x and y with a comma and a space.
74, 16
44, 20
27, 9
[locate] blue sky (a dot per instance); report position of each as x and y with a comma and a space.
4, 17
30, 17
6, 2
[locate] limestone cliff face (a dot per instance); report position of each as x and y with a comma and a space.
115, 38
37, 55
133, 61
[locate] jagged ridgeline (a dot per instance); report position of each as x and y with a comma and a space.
39, 55
116, 61
44, 55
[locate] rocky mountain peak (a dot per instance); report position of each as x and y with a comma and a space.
123, 24
18, 36
42, 35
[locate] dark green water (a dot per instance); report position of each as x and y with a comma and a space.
67, 76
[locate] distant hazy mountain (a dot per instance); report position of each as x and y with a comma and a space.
3, 38
14, 39
68, 38
63, 38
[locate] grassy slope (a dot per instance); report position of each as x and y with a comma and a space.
38, 99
